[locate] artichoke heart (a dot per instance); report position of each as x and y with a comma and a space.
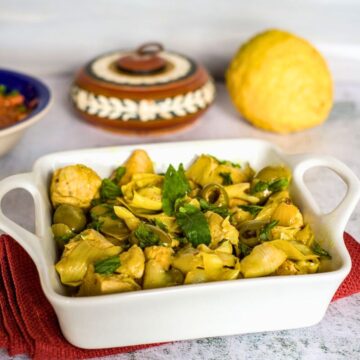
85, 248
305, 235
97, 284
144, 192
156, 276
148, 199
161, 254
202, 171
131, 221
215, 266
263, 260
288, 215
187, 259
157, 268
221, 229
139, 162
207, 169
240, 192
292, 251
132, 262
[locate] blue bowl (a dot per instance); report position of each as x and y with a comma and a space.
31, 88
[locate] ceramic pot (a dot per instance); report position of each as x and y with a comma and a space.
146, 90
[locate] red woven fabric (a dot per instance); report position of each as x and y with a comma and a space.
29, 325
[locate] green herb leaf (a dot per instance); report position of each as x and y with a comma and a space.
3, 89
107, 266
273, 186
13, 93
95, 202
227, 180
22, 108
318, 250
161, 225
194, 225
96, 225
278, 185
245, 250
119, 173
182, 240
265, 231
226, 162
146, 237
252, 209
260, 186
221, 210
175, 186
63, 240
109, 190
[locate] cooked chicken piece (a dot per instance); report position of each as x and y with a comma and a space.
74, 185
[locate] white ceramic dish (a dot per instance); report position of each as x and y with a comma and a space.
191, 311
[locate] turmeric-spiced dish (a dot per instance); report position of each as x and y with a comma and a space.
137, 229
12, 107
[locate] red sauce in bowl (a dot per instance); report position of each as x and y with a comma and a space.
12, 107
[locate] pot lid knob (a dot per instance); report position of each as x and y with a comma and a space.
144, 61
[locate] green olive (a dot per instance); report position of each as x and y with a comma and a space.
115, 228
100, 210
71, 216
271, 173
215, 194
164, 238
249, 232
62, 234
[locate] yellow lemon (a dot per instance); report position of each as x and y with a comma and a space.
280, 82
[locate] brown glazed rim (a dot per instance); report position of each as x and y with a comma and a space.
198, 79
143, 128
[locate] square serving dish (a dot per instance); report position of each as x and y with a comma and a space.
189, 311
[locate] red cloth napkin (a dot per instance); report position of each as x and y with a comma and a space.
29, 325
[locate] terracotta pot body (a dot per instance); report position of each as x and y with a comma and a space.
143, 91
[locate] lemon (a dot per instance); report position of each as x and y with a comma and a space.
280, 82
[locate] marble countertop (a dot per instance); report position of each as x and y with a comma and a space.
337, 336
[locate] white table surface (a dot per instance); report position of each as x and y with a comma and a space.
337, 336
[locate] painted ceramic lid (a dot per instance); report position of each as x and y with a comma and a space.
143, 90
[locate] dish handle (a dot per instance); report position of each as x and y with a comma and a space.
338, 217
29, 241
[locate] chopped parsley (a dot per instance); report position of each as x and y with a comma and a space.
221, 210
161, 225
278, 185
318, 250
226, 162
245, 250
260, 186
146, 237
175, 186
96, 225
226, 176
252, 209
265, 231
194, 225
109, 190
273, 186
107, 266
119, 173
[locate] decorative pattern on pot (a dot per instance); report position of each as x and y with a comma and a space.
143, 110
148, 89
